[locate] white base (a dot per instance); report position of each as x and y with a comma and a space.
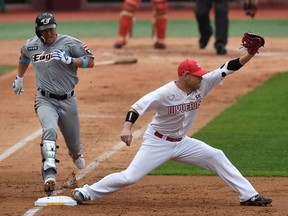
55, 201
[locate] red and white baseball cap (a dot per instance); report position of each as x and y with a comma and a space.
190, 66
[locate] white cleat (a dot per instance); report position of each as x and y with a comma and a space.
80, 162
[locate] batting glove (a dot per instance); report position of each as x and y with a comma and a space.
18, 85
60, 55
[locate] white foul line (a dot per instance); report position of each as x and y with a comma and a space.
100, 116
20, 144
37, 133
89, 168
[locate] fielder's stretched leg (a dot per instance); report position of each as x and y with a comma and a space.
196, 152
152, 153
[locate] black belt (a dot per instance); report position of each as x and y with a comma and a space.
167, 137
58, 97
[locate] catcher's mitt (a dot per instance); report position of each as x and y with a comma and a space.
252, 42
250, 7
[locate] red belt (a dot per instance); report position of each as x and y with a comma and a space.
167, 138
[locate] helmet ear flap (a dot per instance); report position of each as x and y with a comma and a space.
39, 35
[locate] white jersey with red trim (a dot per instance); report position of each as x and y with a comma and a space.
165, 139
175, 110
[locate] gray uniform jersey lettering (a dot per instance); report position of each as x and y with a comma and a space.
52, 75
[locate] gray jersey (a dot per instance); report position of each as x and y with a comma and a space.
52, 75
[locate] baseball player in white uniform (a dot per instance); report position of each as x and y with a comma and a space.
55, 59
176, 105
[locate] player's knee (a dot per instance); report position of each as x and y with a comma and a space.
49, 133
221, 12
202, 13
160, 8
217, 154
131, 6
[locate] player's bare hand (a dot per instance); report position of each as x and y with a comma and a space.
18, 85
126, 136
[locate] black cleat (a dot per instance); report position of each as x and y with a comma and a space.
159, 45
204, 40
257, 200
221, 50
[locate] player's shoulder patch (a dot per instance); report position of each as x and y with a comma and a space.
86, 48
32, 48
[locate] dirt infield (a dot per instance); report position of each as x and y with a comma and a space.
105, 94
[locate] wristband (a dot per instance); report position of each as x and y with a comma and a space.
131, 117
84, 62
234, 64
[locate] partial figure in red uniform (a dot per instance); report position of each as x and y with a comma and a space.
159, 24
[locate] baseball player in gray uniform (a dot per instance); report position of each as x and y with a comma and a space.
176, 105
55, 59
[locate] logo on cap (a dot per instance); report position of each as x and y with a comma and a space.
46, 21
191, 67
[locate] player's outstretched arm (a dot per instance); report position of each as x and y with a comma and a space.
245, 58
251, 42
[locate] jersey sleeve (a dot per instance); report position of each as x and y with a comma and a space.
80, 49
24, 51
215, 78
147, 103
25, 56
211, 80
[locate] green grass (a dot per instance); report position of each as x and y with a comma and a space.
142, 28
252, 133
5, 69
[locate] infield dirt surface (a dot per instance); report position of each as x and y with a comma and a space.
105, 93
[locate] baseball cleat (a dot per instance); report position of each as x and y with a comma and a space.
220, 49
159, 45
257, 200
78, 196
80, 162
119, 43
49, 186
204, 40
